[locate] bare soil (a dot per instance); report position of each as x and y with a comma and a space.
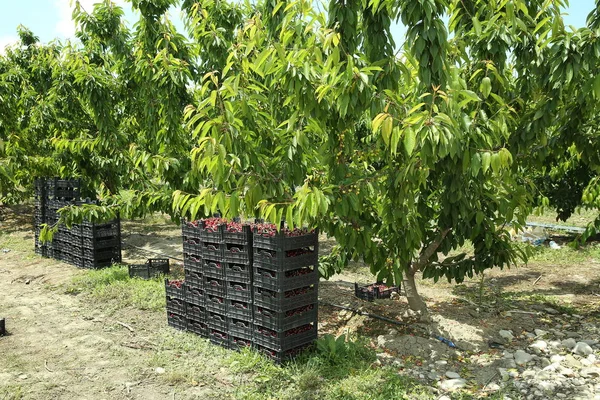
63, 346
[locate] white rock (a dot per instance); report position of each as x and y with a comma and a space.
590, 372
540, 333
546, 386
539, 345
543, 375
453, 384
582, 349
590, 342
434, 376
565, 371
592, 358
529, 373
507, 335
555, 344
569, 343
522, 358
441, 363
556, 358
159, 370
586, 363
493, 387
452, 375
508, 354
23, 376
444, 398
551, 367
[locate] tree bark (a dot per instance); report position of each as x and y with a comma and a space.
415, 302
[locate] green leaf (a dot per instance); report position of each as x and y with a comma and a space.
486, 159
486, 87
409, 140
386, 129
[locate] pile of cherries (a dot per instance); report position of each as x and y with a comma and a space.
298, 272
176, 284
299, 330
210, 224
216, 299
239, 305
380, 286
299, 310
297, 292
238, 287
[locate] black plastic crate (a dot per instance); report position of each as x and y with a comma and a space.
285, 300
232, 235
282, 355
239, 291
285, 280
198, 327
110, 242
281, 242
107, 230
239, 309
176, 306
238, 272
374, 291
282, 320
174, 289
153, 267
281, 340
235, 253
239, 343
216, 304
192, 262
211, 250
215, 286
194, 295
191, 247
194, 279
240, 328
217, 321
113, 254
211, 230
213, 269
285, 260
96, 264
218, 337
195, 312
177, 321
189, 231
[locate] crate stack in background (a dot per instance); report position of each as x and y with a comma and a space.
285, 287
247, 285
85, 245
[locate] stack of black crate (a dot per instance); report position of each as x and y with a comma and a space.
245, 288
285, 288
85, 245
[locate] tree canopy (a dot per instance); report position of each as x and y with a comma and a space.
277, 110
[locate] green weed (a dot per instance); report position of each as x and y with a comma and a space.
113, 286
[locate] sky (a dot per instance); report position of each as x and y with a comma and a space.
49, 19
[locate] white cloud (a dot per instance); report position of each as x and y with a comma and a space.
65, 27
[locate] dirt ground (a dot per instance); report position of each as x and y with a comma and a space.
61, 346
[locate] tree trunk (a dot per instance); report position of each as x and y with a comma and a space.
415, 301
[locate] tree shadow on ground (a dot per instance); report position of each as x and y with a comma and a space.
16, 219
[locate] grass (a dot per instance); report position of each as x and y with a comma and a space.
11, 392
316, 374
579, 218
114, 287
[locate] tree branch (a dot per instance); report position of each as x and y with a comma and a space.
429, 251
